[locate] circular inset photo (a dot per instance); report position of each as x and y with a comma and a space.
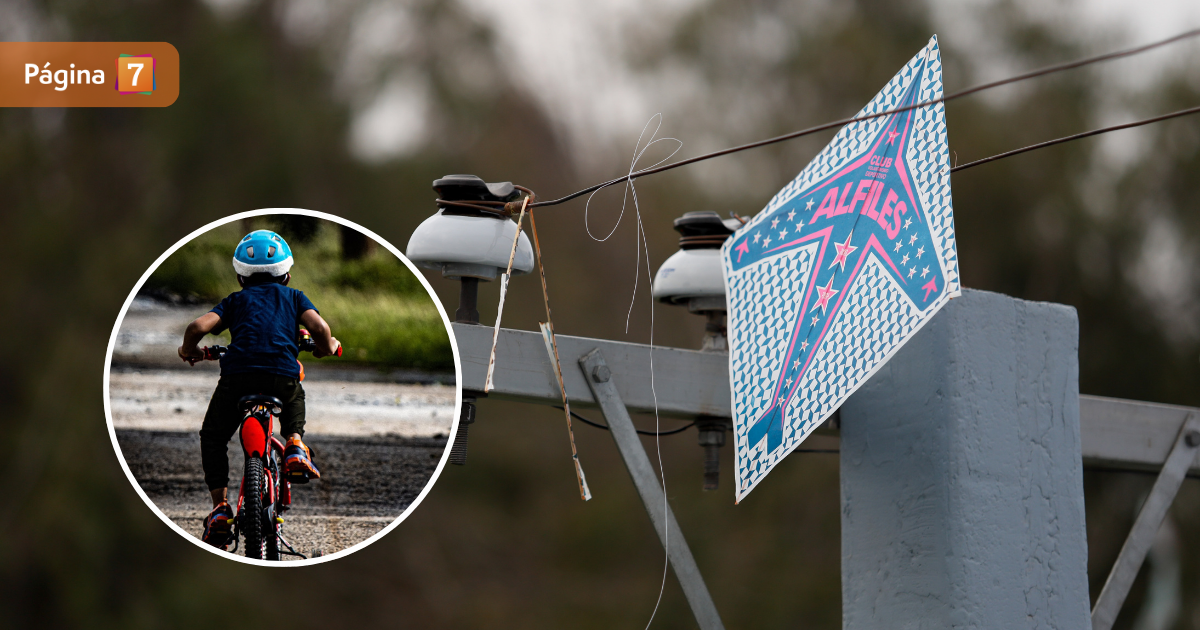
281, 387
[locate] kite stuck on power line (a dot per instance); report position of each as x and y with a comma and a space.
841, 268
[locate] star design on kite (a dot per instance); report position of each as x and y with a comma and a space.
892, 136
899, 245
814, 322
757, 235
907, 222
911, 271
809, 206
803, 347
904, 261
823, 295
912, 239
796, 363
799, 225
789, 381
767, 242
792, 215
920, 250
782, 233
924, 272
843, 250
775, 223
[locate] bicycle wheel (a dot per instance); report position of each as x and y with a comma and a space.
255, 484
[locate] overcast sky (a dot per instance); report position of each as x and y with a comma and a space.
568, 49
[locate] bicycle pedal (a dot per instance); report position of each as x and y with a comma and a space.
297, 477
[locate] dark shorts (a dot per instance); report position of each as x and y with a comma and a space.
223, 418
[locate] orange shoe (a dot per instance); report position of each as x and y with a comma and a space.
218, 526
297, 462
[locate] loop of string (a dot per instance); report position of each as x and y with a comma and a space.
631, 191
640, 244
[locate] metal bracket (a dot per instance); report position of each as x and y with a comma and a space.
599, 379
1149, 519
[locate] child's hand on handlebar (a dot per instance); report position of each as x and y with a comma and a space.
337, 349
191, 355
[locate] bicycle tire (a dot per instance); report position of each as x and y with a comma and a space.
252, 509
270, 526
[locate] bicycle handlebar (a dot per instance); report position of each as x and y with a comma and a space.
210, 353
306, 343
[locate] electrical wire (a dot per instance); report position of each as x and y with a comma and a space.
1086, 134
640, 432
1070, 65
685, 428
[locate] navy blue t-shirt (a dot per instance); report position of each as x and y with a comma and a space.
262, 321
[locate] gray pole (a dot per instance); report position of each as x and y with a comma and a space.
962, 481
600, 379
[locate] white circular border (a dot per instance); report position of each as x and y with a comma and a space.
112, 344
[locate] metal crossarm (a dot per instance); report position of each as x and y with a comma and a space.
689, 383
1119, 434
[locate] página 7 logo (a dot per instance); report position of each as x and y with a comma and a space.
63, 77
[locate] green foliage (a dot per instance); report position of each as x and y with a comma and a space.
386, 329
377, 273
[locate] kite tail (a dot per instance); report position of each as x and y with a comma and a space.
770, 425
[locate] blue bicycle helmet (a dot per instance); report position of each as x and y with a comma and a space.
262, 251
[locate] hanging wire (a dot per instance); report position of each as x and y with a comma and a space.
681, 430
1070, 65
1086, 134
640, 432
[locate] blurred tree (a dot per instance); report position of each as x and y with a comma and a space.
355, 244
296, 227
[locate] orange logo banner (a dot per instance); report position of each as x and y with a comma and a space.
88, 74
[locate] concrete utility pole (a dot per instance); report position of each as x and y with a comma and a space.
962, 483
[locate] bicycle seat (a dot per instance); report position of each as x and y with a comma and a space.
247, 402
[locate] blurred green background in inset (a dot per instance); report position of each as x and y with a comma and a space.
353, 108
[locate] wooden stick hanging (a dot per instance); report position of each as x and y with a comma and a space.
488, 385
552, 350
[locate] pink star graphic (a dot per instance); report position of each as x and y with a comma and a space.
843, 250
823, 295
892, 136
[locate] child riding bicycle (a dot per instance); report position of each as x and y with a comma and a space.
262, 319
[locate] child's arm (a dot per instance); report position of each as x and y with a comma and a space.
195, 332
326, 343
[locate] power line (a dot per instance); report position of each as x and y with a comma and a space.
673, 431
1070, 65
598, 425
1086, 134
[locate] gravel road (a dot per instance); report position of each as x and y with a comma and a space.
365, 483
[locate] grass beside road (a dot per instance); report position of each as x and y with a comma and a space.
375, 305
